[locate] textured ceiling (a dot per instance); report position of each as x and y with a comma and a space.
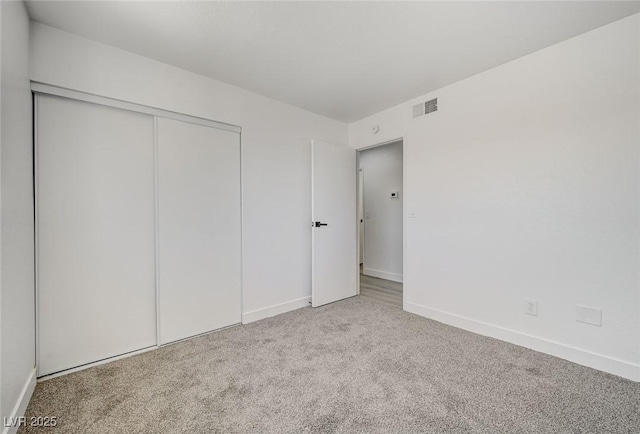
344, 60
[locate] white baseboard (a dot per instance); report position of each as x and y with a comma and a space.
382, 274
92, 364
601, 362
23, 401
274, 310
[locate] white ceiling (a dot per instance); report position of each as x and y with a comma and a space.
344, 60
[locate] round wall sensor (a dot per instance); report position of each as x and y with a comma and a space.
375, 129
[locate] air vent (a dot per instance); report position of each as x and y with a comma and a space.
431, 106
425, 108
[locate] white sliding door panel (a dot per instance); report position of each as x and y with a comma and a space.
199, 257
95, 229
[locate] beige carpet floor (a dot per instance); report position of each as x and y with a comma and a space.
356, 366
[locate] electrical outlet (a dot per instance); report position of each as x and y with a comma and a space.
412, 213
531, 307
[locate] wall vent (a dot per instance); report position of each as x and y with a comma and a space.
424, 108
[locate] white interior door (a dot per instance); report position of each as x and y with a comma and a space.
199, 240
95, 233
334, 239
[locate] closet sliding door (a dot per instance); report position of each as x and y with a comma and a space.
95, 232
138, 219
199, 224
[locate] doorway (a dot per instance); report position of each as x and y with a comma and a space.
380, 222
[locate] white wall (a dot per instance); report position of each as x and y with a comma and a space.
526, 185
17, 289
382, 169
276, 150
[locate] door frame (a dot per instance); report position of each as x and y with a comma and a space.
360, 200
402, 140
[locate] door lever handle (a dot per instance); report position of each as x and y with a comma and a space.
318, 224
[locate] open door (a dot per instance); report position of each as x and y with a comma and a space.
334, 271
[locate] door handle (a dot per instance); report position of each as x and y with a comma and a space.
318, 224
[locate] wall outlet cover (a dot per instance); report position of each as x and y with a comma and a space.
531, 307
589, 315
